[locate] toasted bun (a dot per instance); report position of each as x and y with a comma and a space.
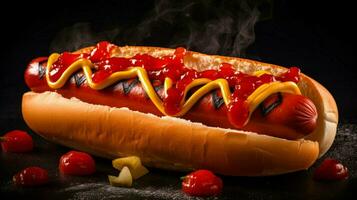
166, 142
173, 143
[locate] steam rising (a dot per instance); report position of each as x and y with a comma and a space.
79, 35
214, 27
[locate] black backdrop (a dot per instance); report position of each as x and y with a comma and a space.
317, 38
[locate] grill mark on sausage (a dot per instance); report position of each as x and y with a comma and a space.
79, 79
41, 70
216, 100
127, 87
266, 110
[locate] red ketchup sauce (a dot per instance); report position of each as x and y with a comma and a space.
172, 66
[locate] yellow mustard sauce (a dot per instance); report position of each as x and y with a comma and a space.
254, 99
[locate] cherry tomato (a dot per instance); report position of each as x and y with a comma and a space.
202, 183
331, 169
31, 176
16, 141
77, 163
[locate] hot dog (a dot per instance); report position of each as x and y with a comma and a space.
284, 113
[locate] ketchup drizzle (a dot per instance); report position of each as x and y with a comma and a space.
241, 84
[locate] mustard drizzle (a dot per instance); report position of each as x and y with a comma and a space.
254, 99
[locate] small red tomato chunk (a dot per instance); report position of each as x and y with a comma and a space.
238, 113
202, 183
16, 141
77, 163
31, 176
331, 169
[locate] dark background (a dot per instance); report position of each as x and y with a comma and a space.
319, 38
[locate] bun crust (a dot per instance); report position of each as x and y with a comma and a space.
173, 143
165, 142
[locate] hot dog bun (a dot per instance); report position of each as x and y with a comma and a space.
178, 144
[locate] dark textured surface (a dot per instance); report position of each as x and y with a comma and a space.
160, 184
316, 37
